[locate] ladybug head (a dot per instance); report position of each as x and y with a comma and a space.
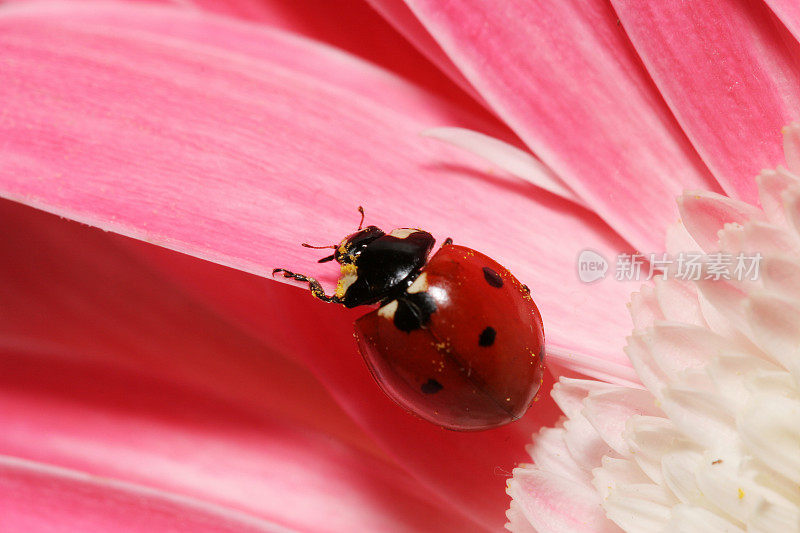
352, 245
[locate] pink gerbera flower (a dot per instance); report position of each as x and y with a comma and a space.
145, 389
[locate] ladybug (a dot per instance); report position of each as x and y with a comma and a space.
456, 339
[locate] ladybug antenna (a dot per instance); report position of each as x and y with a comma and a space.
324, 259
306, 245
361, 224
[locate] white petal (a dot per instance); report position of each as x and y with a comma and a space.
549, 453
570, 393
678, 240
791, 209
557, 505
702, 416
774, 322
727, 299
737, 491
581, 366
770, 428
719, 483
691, 519
771, 185
678, 301
608, 412
677, 347
644, 308
517, 521
768, 517
705, 213
650, 439
650, 373
715, 320
615, 472
775, 383
678, 469
639, 508
584, 443
728, 373
732, 238
781, 274
769, 239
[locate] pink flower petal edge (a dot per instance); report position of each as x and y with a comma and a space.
38, 497
584, 106
287, 134
731, 97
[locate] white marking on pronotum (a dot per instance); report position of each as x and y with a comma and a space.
388, 310
402, 233
420, 284
509, 158
347, 276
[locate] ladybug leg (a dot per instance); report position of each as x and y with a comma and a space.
313, 285
447, 241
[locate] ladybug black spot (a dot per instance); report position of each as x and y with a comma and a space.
413, 311
487, 336
431, 386
492, 277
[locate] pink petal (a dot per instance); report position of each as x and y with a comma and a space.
728, 73
518, 162
365, 32
789, 14
204, 159
37, 497
402, 18
567, 81
110, 369
704, 214
347, 25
